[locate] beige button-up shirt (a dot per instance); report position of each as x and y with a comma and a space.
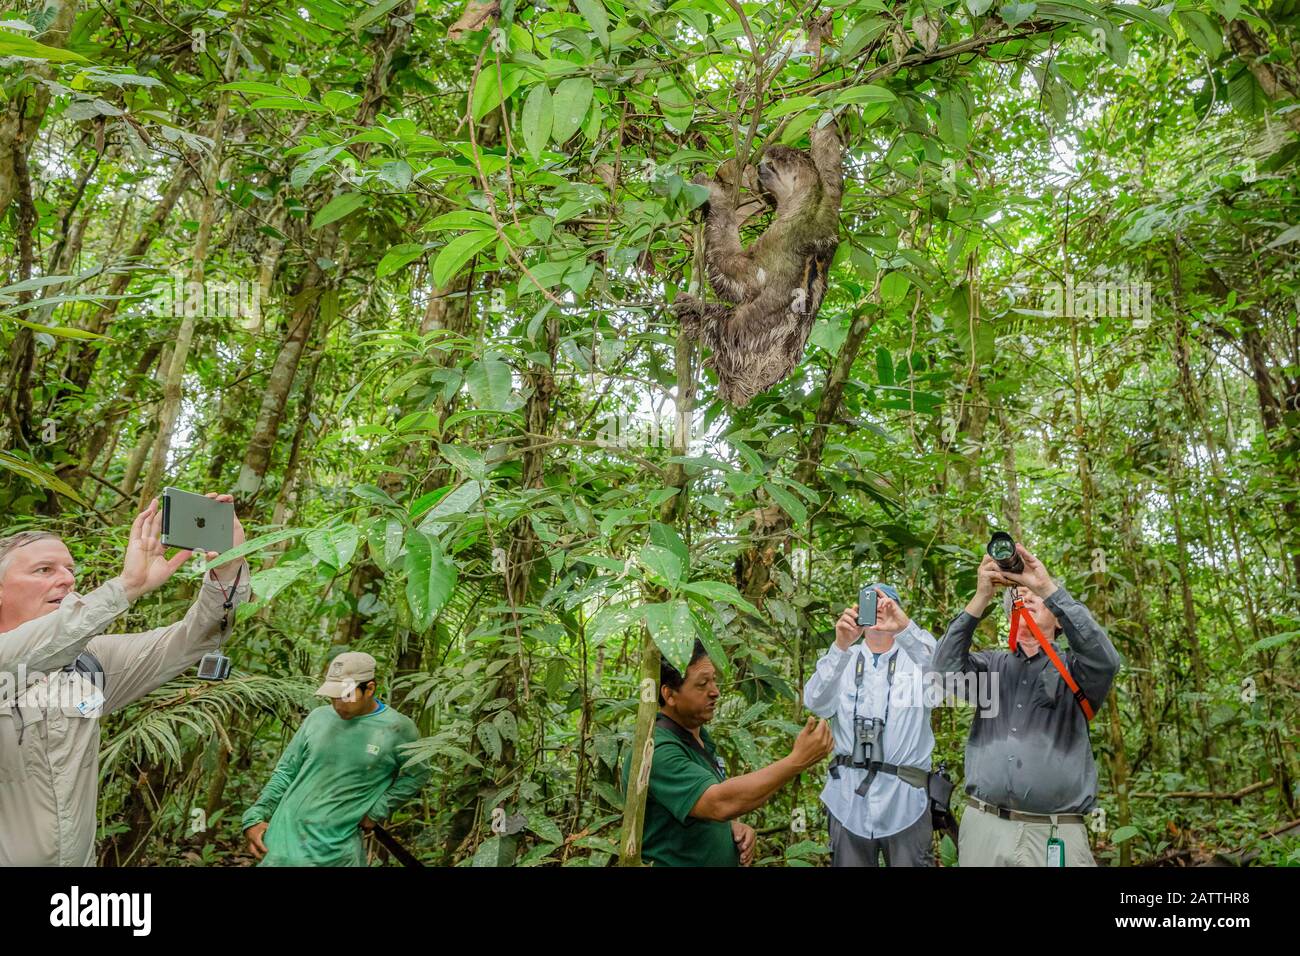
49, 751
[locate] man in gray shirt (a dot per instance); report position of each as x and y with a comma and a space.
1030, 774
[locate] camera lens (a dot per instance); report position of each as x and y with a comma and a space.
1001, 547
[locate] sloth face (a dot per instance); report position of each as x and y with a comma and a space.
786, 173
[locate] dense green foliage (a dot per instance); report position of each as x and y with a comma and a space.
450, 421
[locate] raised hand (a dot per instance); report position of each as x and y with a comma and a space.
1034, 576
890, 618
813, 743
847, 629
145, 568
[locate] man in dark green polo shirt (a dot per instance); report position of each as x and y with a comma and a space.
691, 807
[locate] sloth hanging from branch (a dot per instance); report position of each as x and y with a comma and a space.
775, 287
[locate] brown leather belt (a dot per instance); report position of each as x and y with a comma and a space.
1021, 817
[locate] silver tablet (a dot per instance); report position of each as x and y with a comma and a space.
197, 523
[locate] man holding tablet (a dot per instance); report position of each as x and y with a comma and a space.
49, 723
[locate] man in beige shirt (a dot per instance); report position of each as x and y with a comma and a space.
49, 717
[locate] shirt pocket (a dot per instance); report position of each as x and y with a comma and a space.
1047, 688
12, 768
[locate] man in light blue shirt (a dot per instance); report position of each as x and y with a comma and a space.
884, 809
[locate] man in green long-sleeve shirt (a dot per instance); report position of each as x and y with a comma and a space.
341, 774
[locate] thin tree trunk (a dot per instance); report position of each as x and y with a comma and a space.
314, 291
21, 120
1098, 595
674, 511
171, 404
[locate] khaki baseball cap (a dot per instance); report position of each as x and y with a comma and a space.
345, 672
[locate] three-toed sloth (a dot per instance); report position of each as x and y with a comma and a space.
776, 286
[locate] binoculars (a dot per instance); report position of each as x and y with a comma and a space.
1002, 549
866, 740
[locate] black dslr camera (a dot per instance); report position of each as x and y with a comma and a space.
866, 740
1002, 549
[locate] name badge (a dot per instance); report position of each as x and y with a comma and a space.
88, 697
92, 704
1055, 850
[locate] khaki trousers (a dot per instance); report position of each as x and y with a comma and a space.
987, 840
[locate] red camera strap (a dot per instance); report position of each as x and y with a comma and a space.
1019, 610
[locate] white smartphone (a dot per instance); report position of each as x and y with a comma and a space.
196, 522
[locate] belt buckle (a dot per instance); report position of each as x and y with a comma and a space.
1004, 813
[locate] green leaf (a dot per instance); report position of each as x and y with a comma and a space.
954, 124
1157, 21
611, 620
866, 29
61, 331
829, 334
270, 582
720, 591
468, 461
1272, 641
1287, 236
430, 577
336, 101
543, 826
456, 253
1247, 96
505, 722
673, 631
397, 173
287, 103
593, 11
712, 646
393, 532
678, 107
884, 366
377, 10
334, 545
1124, 834
38, 476
255, 545
15, 44
338, 207
948, 852
490, 738
1228, 9
806, 848
870, 93
398, 256
788, 502
538, 115
493, 86
572, 100
1201, 30
666, 536
1013, 13
458, 502
792, 104
251, 86
663, 564
490, 383
460, 219
488, 852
